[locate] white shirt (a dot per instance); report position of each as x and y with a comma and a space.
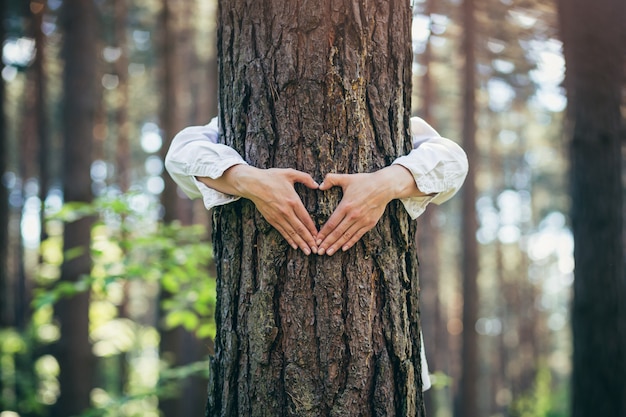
438, 165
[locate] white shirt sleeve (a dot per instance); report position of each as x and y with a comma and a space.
438, 165
195, 152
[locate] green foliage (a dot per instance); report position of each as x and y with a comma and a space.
126, 249
139, 264
136, 404
542, 401
20, 373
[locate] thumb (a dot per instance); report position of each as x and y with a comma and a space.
304, 178
332, 180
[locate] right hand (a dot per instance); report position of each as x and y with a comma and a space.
272, 192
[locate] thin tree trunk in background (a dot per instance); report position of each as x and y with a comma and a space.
322, 86
428, 247
178, 346
122, 155
32, 162
593, 40
174, 21
122, 149
204, 78
206, 100
500, 360
5, 315
37, 9
28, 149
73, 350
467, 405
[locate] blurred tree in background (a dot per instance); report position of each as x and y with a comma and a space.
595, 78
80, 97
149, 280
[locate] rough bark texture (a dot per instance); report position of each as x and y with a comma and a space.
73, 350
320, 86
593, 39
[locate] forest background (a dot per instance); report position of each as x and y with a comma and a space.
149, 290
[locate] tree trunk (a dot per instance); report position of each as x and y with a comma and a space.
467, 404
428, 238
5, 315
73, 351
175, 38
121, 109
318, 86
177, 346
43, 136
594, 80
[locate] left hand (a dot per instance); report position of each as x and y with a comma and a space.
365, 197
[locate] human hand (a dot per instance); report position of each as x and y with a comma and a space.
365, 197
363, 203
272, 192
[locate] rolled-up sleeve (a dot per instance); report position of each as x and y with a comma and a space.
195, 152
439, 167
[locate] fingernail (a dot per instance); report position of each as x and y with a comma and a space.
314, 249
345, 248
307, 251
320, 251
330, 251
319, 242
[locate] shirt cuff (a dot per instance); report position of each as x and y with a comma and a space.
212, 198
415, 206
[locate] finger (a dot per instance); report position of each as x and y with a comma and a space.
358, 235
332, 180
300, 241
292, 230
329, 227
285, 235
342, 240
303, 178
307, 228
334, 236
301, 234
293, 235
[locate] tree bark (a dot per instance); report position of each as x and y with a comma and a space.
73, 350
319, 86
593, 40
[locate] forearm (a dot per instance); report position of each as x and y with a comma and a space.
398, 182
272, 192
232, 181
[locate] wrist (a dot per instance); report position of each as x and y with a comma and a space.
238, 178
400, 182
